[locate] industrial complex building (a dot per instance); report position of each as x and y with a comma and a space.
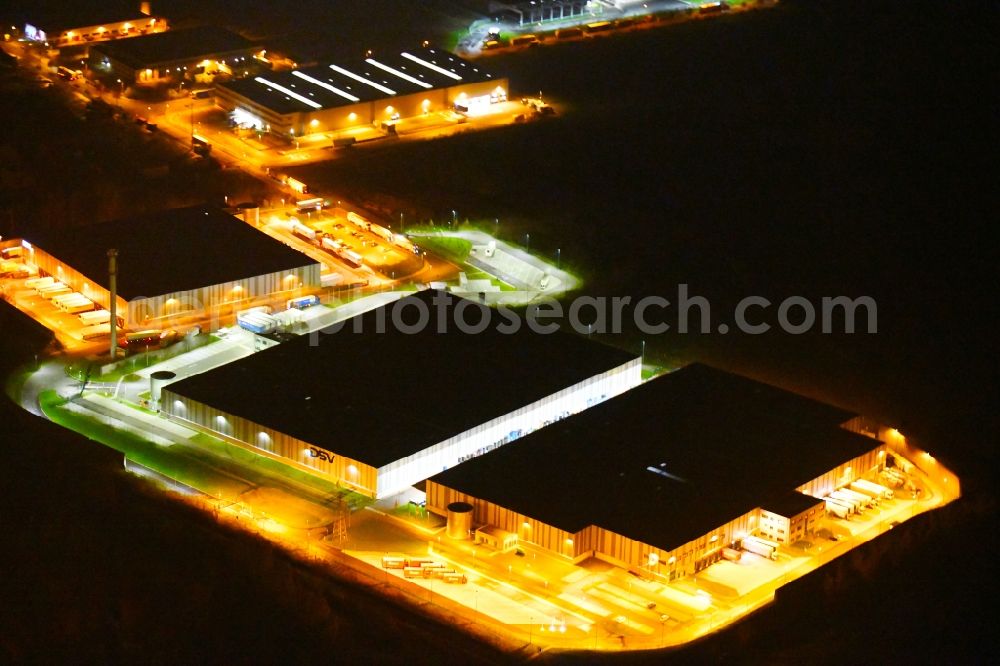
60, 24
530, 12
666, 476
379, 411
194, 54
236, 264
369, 91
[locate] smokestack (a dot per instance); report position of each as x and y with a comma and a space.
144, 8
113, 305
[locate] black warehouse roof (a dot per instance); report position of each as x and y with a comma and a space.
174, 46
668, 461
378, 397
170, 251
57, 15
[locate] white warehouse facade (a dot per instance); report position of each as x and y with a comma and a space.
237, 265
378, 410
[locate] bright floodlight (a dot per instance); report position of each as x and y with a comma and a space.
290, 93
352, 75
396, 72
430, 65
323, 84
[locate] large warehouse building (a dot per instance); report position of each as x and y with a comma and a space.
662, 478
198, 261
193, 54
61, 24
380, 411
374, 90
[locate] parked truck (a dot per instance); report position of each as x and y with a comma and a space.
358, 221
837, 509
856, 505
302, 302
902, 464
869, 487
303, 231
848, 507
53, 290
865, 499
39, 282
95, 317
77, 306
762, 547
257, 322
96, 331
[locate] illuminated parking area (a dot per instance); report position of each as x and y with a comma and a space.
381, 88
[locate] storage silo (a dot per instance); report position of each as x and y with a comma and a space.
459, 520
157, 381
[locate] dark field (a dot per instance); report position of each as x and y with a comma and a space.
816, 149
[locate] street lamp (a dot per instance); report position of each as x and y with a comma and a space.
558, 257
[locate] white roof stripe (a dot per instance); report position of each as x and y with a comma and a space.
352, 75
290, 93
396, 72
323, 84
430, 65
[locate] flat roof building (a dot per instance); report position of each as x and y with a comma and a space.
379, 88
60, 24
184, 260
380, 411
664, 476
197, 54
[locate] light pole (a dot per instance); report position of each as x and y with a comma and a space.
527, 241
454, 219
558, 257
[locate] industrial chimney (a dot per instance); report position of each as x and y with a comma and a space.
113, 305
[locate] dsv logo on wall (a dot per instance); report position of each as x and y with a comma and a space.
321, 454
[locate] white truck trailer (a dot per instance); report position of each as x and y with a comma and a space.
857, 505
95, 317
865, 486
837, 509
865, 499
35, 283
762, 547
303, 231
